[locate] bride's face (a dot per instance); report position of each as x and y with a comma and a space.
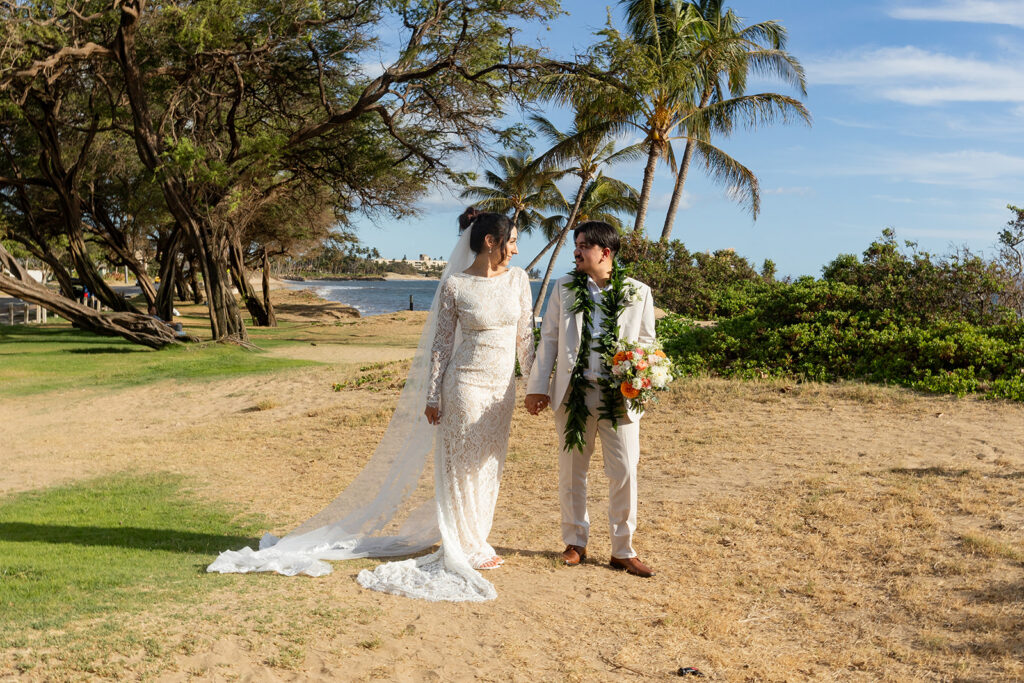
511, 247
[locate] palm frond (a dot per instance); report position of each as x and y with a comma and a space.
741, 183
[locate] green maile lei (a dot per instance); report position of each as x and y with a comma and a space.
612, 302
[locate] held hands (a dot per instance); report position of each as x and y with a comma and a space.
433, 415
536, 403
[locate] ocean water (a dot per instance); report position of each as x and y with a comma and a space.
375, 297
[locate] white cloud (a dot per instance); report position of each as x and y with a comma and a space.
965, 168
846, 123
916, 201
920, 77
441, 198
895, 200
1007, 12
798, 191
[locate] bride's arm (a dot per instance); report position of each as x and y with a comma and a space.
525, 348
444, 339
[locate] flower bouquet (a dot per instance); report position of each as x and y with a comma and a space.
640, 370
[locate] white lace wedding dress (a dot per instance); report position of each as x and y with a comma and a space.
464, 362
482, 325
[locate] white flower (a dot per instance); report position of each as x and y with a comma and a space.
638, 384
619, 369
660, 376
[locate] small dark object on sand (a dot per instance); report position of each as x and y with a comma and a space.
689, 671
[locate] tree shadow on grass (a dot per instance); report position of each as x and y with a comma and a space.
103, 349
172, 540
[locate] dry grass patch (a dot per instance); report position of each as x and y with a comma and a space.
799, 531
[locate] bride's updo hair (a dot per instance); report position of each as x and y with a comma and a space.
482, 224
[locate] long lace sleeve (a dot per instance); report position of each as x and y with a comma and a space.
444, 340
525, 349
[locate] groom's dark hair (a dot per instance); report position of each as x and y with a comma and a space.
599, 233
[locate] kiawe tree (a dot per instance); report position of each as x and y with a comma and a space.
232, 103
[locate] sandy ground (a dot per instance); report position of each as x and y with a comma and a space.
800, 532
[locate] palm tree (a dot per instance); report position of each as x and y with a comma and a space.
519, 186
649, 84
604, 199
731, 51
581, 152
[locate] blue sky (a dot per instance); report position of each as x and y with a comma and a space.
918, 113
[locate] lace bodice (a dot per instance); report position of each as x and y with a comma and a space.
493, 316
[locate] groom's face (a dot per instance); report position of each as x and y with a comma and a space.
590, 257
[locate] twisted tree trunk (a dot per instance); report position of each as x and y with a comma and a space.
63, 181
266, 290
253, 303
135, 327
208, 240
169, 277
116, 241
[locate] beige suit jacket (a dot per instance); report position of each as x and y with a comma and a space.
560, 339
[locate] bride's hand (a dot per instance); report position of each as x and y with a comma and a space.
433, 415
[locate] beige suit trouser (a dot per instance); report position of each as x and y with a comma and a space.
621, 450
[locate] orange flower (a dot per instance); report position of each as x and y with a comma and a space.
628, 391
619, 357
661, 353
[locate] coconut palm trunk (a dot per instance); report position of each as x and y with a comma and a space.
645, 191
515, 217
537, 258
684, 169
569, 224
677, 192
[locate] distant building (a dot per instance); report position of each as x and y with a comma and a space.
423, 263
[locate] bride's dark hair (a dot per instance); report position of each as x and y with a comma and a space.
482, 224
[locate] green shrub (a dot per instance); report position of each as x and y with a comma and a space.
813, 330
700, 285
947, 325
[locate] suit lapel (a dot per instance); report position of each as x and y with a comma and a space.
627, 316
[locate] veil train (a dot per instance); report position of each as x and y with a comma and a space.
351, 525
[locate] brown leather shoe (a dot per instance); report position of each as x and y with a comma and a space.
573, 555
631, 565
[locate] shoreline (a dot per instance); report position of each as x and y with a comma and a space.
362, 278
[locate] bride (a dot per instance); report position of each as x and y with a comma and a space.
464, 368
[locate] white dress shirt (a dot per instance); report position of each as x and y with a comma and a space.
596, 369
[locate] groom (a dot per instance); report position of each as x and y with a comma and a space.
588, 312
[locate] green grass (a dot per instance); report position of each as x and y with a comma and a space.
36, 359
109, 546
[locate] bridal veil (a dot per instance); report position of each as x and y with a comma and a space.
373, 516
